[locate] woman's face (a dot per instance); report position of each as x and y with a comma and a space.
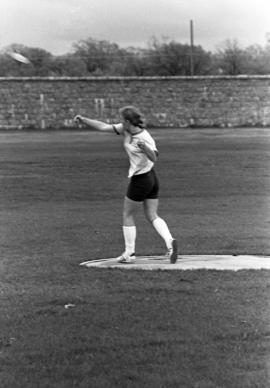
127, 125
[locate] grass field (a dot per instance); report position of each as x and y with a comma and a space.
61, 197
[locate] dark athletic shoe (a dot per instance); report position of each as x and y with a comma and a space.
172, 253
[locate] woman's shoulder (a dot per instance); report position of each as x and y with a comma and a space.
118, 128
145, 133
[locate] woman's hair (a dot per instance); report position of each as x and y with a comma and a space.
133, 115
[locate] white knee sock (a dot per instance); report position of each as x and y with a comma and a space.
161, 227
130, 238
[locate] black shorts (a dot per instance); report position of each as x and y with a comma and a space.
143, 186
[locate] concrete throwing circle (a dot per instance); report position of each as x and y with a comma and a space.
187, 262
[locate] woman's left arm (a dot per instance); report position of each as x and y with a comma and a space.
151, 154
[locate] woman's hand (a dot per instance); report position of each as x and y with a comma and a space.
141, 144
78, 119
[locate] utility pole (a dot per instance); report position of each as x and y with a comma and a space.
191, 49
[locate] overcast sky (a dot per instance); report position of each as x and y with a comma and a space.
55, 24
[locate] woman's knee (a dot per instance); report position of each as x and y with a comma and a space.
150, 210
127, 213
129, 210
150, 215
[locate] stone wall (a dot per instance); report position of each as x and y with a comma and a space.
220, 101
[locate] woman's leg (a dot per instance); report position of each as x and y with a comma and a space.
150, 211
129, 228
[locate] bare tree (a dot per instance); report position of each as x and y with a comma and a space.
231, 58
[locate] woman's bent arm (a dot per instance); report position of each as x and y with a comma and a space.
151, 154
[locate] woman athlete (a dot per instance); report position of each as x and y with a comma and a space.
143, 183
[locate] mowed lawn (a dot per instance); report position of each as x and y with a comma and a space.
62, 325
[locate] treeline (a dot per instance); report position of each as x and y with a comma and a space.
91, 57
